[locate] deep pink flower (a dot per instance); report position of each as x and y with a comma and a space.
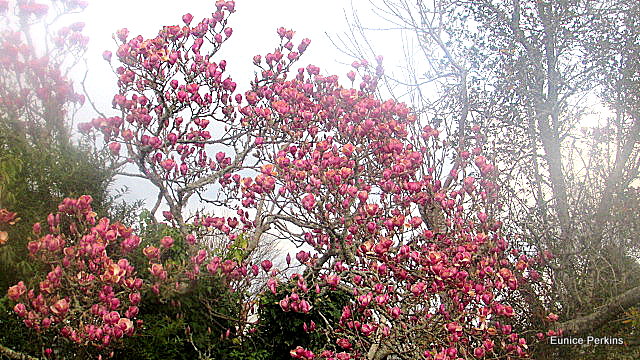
166, 242
60, 307
284, 304
168, 164
191, 239
266, 265
20, 310
344, 343
304, 306
135, 298
302, 256
114, 147
271, 284
15, 292
308, 201
151, 252
479, 352
187, 18
157, 270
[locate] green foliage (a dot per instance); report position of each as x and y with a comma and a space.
628, 329
151, 231
14, 334
238, 249
36, 176
280, 332
189, 324
163, 336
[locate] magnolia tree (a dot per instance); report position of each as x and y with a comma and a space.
429, 270
346, 177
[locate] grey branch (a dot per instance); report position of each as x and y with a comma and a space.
602, 315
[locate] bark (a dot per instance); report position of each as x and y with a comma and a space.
434, 217
11, 354
603, 315
378, 352
548, 122
612, 184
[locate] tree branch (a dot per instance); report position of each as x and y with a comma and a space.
602, 315
11, 354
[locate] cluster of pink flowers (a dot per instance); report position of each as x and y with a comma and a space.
6, 218
87, 295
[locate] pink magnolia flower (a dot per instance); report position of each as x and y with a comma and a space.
168, 164
114, 147
60, 307
344, 343
20, 310
368, 329
111, 317
113, 273
191, 239
266, 265
304, 306
271, 284
151, 252
135, 298
157, 270
302, 256
333, 280
284, 304
166, 242
15, 292
308, 201
187, 18
106, 55
126, 325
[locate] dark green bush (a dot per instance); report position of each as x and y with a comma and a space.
279, 332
